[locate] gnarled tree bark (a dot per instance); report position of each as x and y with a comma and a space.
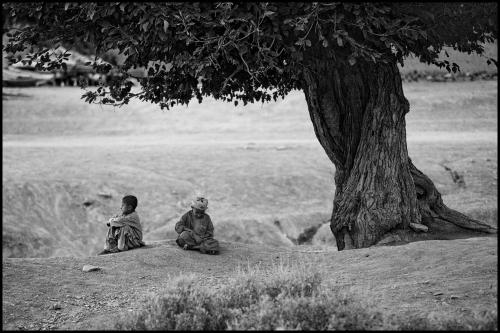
358, 113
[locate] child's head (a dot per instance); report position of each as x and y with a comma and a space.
129, 203
199, 206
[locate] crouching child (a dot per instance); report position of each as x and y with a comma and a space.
195, 229
125, 230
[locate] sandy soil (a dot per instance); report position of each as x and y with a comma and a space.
251, 161
257, 165
449, 278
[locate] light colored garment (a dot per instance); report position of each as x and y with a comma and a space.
124, 232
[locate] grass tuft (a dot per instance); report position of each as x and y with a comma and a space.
284, 297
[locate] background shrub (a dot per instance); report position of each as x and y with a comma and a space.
283, 297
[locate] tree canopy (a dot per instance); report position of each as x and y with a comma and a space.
240, 51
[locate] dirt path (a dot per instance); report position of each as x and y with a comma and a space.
447, 277
146, 140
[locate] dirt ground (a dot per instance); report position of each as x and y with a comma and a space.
446, 278
256, 164
66, 165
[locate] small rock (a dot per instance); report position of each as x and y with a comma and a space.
282, 147
367, 255
90, 268
426, 281
437, 294
454, 296
88, 202
55, 306
105, 195
419, 227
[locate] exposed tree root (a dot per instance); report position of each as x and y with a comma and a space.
443, 222
433, 210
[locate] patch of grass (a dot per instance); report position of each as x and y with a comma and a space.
284, 297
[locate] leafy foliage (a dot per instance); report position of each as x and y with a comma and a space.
242, 51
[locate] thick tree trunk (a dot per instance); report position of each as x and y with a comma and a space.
358, 113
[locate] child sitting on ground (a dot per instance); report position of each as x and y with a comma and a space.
125, 230
196, 230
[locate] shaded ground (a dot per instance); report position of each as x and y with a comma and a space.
447, 278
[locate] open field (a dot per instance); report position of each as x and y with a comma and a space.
256, 164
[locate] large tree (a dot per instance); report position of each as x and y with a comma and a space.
343, 56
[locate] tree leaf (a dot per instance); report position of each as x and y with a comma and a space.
339, 41
352, 61
168, 67
165, 25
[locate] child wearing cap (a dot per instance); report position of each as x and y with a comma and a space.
125, 230
196, 230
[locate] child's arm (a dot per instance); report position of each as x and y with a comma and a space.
122, 220
114, 218
181, 225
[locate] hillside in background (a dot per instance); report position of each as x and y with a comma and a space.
469, 63
66, 165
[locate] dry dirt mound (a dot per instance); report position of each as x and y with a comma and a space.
54, 218
454, 278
